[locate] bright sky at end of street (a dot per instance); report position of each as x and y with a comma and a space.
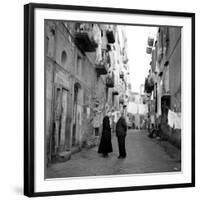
139, 60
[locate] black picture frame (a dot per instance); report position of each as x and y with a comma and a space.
29, 96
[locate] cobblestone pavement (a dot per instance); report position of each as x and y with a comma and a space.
144, 155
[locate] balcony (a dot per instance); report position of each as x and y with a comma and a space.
110, 36
121, 100
125, 60
84, 37
108, 47
101, 68
110, 81
115, 91
121, 75
150, 41
102, 65
149, 85
148, 50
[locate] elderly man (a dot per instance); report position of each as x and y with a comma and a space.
121, 129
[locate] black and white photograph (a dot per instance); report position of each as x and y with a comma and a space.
99, 99
112, 99
109, 100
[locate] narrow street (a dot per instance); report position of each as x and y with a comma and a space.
144, 155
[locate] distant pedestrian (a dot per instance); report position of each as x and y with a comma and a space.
121, 129
96, 122
105, 146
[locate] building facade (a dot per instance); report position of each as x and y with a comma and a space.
163, 84
83, 81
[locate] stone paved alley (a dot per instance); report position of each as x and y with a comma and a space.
144, 155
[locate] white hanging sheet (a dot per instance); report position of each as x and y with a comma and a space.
174, 119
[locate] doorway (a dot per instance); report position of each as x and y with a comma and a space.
60, 118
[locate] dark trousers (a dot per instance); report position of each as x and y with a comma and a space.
121, 145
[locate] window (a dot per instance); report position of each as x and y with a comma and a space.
63, 57
79, 65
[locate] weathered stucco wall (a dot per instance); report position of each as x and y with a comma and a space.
65, 67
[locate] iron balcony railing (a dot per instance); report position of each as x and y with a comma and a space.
84, 37
103, 65
110, 36
110, 80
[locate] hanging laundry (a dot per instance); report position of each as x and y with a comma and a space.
152, 119
171, 119
103, 37
159, 95
178, 121
98, 54
174, 119
96, 33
